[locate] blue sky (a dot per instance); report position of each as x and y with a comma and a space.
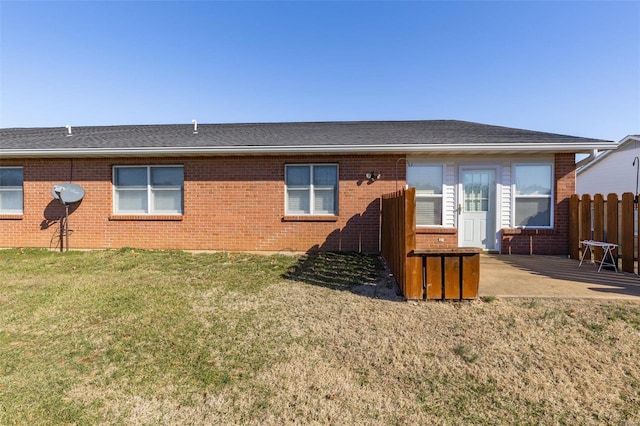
563, 67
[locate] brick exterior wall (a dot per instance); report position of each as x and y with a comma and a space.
548, 241
436, 237
237, 204
230, 203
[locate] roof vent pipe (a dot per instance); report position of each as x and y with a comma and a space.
195, 126
68, 126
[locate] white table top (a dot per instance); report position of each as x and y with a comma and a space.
598, 243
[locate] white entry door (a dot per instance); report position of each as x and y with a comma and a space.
476, 208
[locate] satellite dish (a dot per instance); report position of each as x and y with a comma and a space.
67, 193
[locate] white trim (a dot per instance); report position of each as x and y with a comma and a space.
13, 189
551, 196
440, 196
149, 191
497, 204
499, 147
311, 190
627, 140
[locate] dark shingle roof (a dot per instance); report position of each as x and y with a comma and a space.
306, 134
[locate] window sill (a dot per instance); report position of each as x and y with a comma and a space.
528, 231
310, 218
142, 217
435, 230
6, 216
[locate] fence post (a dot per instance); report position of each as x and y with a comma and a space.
574, 227
413, 264
627, 240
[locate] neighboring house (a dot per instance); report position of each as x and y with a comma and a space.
289, 186
611, 172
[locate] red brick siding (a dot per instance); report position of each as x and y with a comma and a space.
553, 241
237, 203
430, 238
230, 203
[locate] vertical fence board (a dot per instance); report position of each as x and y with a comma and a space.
612, 223
434, 277
612, 219
585, 218
574, 227
598, 222
413, 277
451, 277
626, 239
470, 276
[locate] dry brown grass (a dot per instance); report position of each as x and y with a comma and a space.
299, 351
355, 360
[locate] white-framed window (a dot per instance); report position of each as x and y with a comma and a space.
427, 179
11, 190
533, 195
148, 189
311, 189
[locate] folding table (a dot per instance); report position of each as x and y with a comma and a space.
606, 251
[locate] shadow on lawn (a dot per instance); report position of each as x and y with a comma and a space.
348, 271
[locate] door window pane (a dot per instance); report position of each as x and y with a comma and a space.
477, 189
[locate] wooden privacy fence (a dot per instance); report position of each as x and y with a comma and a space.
399, 240
428, 273
610, 220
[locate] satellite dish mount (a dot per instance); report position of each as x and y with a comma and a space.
67, 194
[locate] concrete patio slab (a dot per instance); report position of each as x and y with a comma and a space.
552, 276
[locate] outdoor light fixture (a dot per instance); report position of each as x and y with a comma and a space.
373, 176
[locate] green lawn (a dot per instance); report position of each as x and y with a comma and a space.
168, 337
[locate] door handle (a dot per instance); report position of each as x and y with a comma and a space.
459, 209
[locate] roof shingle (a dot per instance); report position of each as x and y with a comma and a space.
305, 134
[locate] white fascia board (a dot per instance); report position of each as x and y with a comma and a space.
599, 158
306, 149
